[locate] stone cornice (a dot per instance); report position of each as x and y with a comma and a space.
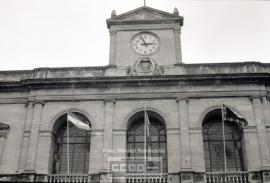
137, 81
143, 81
44, 79
16, 77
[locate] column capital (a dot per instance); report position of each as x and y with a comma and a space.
253, 97
33, 101
39, 102
182, 99
177, 29
112, 32
260, 95
109, 100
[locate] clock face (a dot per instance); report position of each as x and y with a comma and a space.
145, 43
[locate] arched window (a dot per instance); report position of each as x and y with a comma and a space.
156, 144
79, 147
216, 141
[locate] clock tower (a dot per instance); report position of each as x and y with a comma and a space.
145, 40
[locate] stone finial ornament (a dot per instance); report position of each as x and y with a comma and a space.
113, 14
175, 11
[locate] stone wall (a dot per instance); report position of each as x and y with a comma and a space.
31, 107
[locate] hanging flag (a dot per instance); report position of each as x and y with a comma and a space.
231, 115
78, 122
147, 125
148, 136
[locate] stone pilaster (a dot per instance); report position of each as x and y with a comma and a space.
33, 138
108, 131
119, 143
259, 117
120, 153
197, 149
112, 47
178, 49
184, 134
266, 110
43, 160
174, 162
251, 149
95, 159
26, 135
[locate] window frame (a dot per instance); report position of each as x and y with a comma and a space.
59, 137
233, 144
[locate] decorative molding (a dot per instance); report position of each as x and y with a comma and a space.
196, 128
45, 131
97, 132
250, 129
119, 130
145, 66
173, 130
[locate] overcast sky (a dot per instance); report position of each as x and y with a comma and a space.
67, 33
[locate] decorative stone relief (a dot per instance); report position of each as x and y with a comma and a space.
145, 66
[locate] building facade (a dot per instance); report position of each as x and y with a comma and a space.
205, 122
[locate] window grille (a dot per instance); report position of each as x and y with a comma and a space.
79, 149
214, 144
158, 142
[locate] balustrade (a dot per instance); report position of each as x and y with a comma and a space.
227, 177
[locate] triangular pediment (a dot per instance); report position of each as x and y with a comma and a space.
144, 14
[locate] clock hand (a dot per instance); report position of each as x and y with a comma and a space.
144, 43
149, 43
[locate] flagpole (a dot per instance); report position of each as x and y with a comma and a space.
223, 137
145, 160
67, 145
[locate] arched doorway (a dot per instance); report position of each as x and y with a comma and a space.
156, 147
79, 146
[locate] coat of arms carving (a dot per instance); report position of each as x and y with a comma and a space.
145, 66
